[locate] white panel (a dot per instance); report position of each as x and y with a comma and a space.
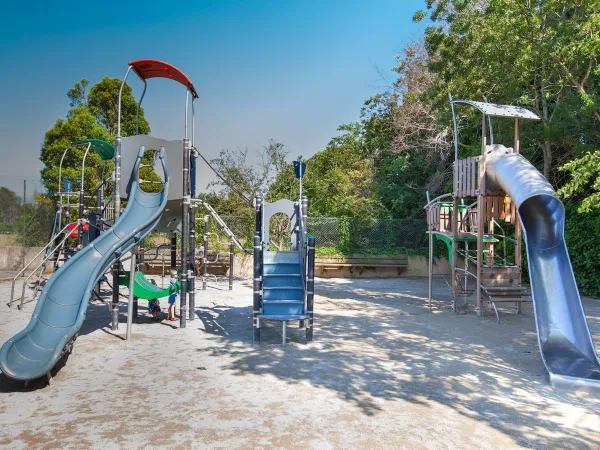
174, 151
280, 206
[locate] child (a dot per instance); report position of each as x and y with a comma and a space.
173, 295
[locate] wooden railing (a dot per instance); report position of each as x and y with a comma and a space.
466, 177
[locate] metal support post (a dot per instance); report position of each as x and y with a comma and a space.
283, 333
117, 265
430, 266
174, 251
480, 217
115, 295
231, 264
185, 226
205, 259
131, 297
258, 207
518, 230
256, 288
80, 228
192, 256
455, 215
140, 267
310, 288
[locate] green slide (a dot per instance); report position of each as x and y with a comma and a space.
142, 288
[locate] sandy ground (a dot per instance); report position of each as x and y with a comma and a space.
382, 372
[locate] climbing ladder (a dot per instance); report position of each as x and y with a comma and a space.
283, 280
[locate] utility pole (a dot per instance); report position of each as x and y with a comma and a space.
24, 191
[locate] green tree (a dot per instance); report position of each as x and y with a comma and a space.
92, 115
539, 54
10, 206
104, 105
339, 180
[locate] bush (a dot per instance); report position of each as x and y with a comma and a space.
582, 233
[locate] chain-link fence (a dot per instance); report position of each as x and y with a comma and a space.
347, 235
333, 235
30, 226
355, 235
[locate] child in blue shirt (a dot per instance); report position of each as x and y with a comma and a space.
173, 296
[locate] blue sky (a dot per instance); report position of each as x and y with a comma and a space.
291, 71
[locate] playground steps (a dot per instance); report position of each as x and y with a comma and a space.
507, 293
283, 289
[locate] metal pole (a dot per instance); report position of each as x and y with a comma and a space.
256, 288
192, 256
310, 288
258, 207
115, 295
117, 200
140, 263
298, 209
283, 334
205, 259
430, 266
455, 125
137, 111
305, 211
185, 225
81, 194
231, 262
80, 229
174, 251
130, 302
481, 211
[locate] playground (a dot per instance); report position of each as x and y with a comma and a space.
428, 283
365, 381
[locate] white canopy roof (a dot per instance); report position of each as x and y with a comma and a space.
495, 110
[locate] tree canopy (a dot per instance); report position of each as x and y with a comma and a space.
93, 114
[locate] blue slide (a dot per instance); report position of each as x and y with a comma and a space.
62, 306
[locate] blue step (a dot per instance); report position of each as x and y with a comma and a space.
281, 268
283, 307
281, 257
282, 280
283, 293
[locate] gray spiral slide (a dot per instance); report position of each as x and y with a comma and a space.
564, 337
62, 306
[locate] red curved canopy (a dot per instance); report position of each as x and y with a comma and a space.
153, 68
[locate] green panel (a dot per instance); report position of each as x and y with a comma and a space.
105, 149
461, 238
144, 289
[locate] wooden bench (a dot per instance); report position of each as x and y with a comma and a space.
356, 265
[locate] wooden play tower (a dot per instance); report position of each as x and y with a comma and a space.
468, 221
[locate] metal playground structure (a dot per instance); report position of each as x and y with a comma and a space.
109, 236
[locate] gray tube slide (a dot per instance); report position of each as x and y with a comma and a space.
62, 306
564, 337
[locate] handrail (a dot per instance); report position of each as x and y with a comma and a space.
436, 200
12, 291
223, 225
302, 250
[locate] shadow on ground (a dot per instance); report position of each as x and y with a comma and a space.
387, 346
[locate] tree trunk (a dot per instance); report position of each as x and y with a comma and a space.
545, 118
547, 158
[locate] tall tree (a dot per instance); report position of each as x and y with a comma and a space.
10, 206
92, 115
250, 173
534, 53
